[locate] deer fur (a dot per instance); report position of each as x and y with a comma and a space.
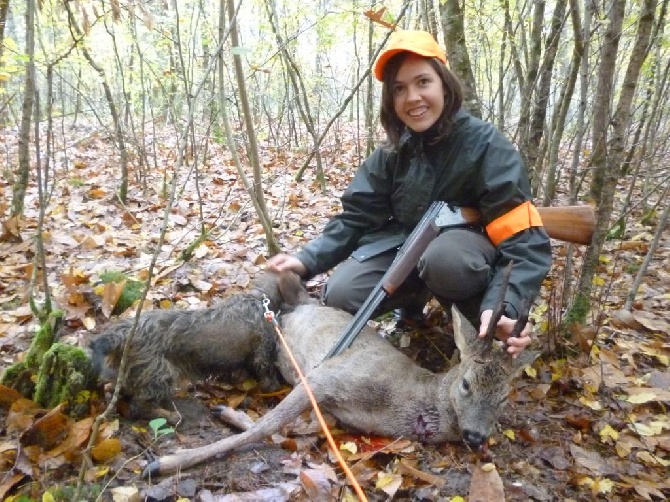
173, 344
374, 388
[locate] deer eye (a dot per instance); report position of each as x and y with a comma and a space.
465, 385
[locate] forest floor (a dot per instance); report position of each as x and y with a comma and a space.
588, 421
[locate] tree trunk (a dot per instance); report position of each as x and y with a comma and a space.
4, 9
528, 91
21, 181
298, 84
662, 223
257, 189
369, 96
609, 153
120, 142
539, 113
457, 53
558, 120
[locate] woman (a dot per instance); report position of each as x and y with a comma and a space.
435, 151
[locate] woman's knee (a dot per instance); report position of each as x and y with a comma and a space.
457, 264
352, 281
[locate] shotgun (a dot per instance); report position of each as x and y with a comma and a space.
567, 223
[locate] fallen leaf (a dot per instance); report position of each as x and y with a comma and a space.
316, 484
607, 433
405, 468
591, 403
651, 459
125, 494
556, 457
651, 321
388, 483
48, 430
509, 434
8, 483
486, 485
591, 460
106, 450
349, 446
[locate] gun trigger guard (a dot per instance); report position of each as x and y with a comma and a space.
449, 217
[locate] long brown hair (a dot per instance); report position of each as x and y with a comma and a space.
453, 99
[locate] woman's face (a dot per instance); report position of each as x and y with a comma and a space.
418, 93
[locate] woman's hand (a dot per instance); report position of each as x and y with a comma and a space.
515, 345
283, 262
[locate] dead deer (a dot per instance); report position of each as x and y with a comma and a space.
374, 388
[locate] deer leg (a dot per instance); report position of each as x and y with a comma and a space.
233, 417
291, 406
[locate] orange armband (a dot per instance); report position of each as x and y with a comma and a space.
518, 219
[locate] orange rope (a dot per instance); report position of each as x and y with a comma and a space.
270, 316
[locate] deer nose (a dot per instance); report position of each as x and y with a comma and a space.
473, 439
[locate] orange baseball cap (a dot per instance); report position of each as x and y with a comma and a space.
418, 42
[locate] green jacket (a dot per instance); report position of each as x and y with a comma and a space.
474, 166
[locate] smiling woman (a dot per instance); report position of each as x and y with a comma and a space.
418, 94
436, 151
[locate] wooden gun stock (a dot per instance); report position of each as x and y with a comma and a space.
566, 223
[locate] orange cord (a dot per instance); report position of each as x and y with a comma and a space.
270, 316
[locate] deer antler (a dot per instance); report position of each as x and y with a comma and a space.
498, 312
523, 317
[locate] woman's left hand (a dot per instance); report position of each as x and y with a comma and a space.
515, 345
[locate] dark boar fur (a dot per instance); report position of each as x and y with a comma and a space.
172, 344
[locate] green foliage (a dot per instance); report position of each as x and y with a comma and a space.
77, 182
132, 289
18, 376
66, 493
23, 498
617, 231
650, 218
158, 427
577, 311
187, 254
632, 268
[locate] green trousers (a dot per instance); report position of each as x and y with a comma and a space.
455, 268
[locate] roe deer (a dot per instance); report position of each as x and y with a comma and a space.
374, 388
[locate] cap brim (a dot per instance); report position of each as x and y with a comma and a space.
380, 64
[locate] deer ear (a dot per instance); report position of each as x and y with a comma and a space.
526, 358
291, 289
465, 335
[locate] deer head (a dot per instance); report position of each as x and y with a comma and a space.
479, 390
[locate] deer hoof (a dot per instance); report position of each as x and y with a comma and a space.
152, 469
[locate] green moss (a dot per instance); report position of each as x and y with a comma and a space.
44, 338
187, 253
132, 289
53, 373
66, 492
578, 311
19, 376
65, 375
